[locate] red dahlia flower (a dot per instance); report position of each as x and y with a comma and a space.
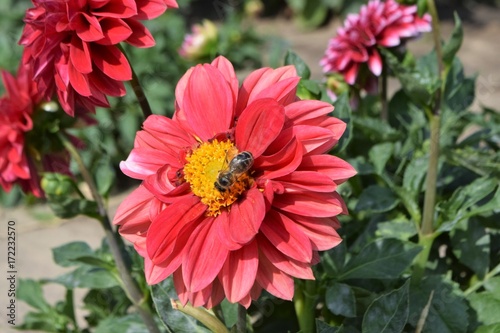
378, 24
16, 108
264, 228
72, 46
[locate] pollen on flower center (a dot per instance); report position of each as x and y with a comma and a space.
202, 171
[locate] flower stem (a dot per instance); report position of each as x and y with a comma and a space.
116, 245
305, 305
241, 325
138, 91
202, 315
426, 233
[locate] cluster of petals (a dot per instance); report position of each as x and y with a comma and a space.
72, 46
378, 24
274, 230
16, 109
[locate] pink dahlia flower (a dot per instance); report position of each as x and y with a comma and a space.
378, 24
222, 225
16, 108
72, 46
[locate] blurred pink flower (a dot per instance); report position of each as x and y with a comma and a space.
72, 46
201, 42
378, 24
266, 228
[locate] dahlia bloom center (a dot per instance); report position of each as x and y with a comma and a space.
202, 171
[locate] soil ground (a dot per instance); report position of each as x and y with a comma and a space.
38, 231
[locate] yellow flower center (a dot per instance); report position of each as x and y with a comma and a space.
202, 171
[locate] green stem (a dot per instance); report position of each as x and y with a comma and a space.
436, 34
425, 241
138, 91
431, 181
241, 324
481, 283
129, 285
202, 315
305, 305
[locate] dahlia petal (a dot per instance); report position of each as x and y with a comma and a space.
180, 287
154, 273
310, 203
300, 111
283, 91
246, 216
258, 126
308, 181
216, 296
79, 81
284, 263
281, 163
205, 257
115, 31
168, 131
224, 232
320, 230
140, 37
314, 138
259, 80
112, 62
282, 232
227, 69
150, 9
208, 102
133, 213
375, 63
116, 9
105, 84
239, 272
143, 162
80, 56
165, 227
337, 169
87, 27
274, 280
351, 73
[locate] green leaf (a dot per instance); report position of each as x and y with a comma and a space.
343, 111
461, 204
487, 306
453, 45
303, 70
66, 254
383, 258
493, 285
174, 320
333, 260
447, 311
389, 312
415, 173
104, 175
30, 291
71, 207
419, 84
380, 154
421, 7
322, 327
376, 199
399, 227
471, 245
87, 277
376, 129
128, 324
495, 328
230, 311
340, 300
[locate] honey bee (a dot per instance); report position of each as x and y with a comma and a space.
240, 164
